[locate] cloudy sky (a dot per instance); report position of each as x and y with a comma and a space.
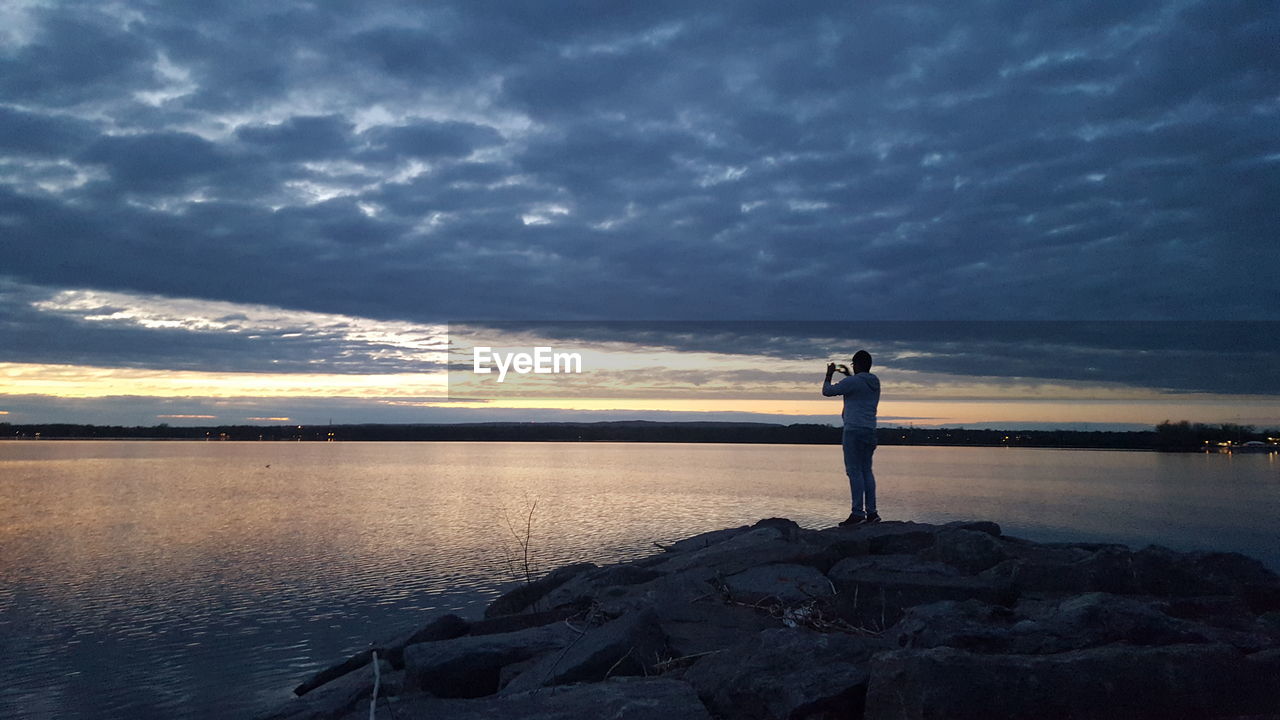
262, 210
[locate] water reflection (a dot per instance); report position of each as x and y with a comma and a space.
146, 580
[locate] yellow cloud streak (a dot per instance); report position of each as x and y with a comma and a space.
78, 381
942, 412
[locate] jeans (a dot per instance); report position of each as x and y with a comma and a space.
859, 445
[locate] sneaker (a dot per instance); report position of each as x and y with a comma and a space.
853, 519
872, 518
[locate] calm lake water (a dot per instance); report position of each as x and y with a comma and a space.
205, 580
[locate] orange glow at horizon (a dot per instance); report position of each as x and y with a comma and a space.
80, 381
907, 399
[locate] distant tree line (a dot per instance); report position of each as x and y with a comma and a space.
1183, 435
1168, 436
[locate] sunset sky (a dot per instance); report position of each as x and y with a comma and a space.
282, 212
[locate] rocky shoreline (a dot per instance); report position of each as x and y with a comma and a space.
894, 620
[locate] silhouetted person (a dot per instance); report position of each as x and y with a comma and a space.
861, 391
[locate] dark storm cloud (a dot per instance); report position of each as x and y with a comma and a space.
75, 56
33, 134
570, 160
429, 140
301, 138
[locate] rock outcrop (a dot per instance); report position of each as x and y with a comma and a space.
894, 620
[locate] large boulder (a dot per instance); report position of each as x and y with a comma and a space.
873, 592
590, 586
1176, 681
697, 628
617, 699
759, 546
883, 538
1067, 569
970, 551
630, 645
1078, 622
689, 585
441, 628
340, 695
786, 674
966, 625
1161, 571
471, 666
782, 584
982, 526
526, 595
704, 540
521, 621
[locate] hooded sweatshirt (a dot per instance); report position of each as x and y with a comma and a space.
861, 393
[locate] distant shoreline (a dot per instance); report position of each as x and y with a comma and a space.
620, 431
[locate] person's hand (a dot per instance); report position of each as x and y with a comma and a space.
844, 369
831, 368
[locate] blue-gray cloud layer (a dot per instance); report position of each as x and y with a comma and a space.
427, 161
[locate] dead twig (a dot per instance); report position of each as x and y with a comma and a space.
619, 662
670, 663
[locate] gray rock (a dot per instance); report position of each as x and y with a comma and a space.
786, 674
523, 621
590, 586
617, 699
1161, 571
1178, 681
968, 550
690, 585
873, 594
338, 696
884, 538
442, 628
1079, 622
333, 672
754, 547
1261, 670
982, 526
1100, 618
783, 584
630, 645
525, 595
704, 540
965, 625
471, 666
1154, 570
1072, 569
790, 529
1224, 611
889, 538
707, 626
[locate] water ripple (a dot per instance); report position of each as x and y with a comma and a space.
185, 580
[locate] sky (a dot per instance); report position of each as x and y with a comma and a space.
226, 212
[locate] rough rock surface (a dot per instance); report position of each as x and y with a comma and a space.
470, 666
894, 620
527, 595
784, 583
616, 699
631, 645
786, 673
1177, 681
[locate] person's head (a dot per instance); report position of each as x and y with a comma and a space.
862, 361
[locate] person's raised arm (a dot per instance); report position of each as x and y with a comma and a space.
827, 388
